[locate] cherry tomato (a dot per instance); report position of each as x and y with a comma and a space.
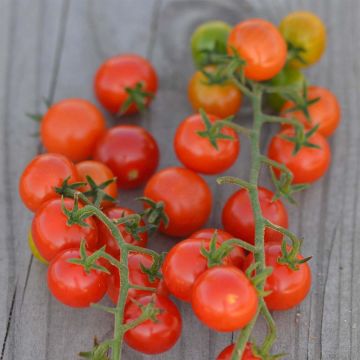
186, 196
183, 264
198, 154
309, 164
136, 277
238, 217
247, 354
130, 152
224, 299
154, 337
221, 99
107, 239
72, 127
42, 175
209, 40
288, 76
237, 255
325, 112
288, 287
120, 73
261, 45
52, 235
100, 173
304, 30
71, 284
34, 249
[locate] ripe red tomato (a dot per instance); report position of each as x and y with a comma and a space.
288, 287
309, 164
224, 299
42, 175
107, 239
261, 45
130, 152
71, 284
325, 112
100, 173
72, 127
238, 217
136, 277
52, 235
154, 337
198, 154
119, 73
186, 196
237, 255
220, 99
247, 354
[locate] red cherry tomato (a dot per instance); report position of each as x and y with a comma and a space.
224, 299
120, 73
136, 277
183, 264
52, 235
154, 337
42, 175
71, 284
130, 152
262, 47
238, 217
247, 354
106, 238
100, 173
237, 255
198, 154
325, 112
72, 127
309, 164
186, 196
288, 287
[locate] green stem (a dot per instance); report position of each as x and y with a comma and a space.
271, 334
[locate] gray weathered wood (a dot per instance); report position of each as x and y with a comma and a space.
53, 48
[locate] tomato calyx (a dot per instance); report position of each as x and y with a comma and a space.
37, 117
136, 96
154, 214
290, 257
295, 53
216, 254
98, 352
153, 272
215, 76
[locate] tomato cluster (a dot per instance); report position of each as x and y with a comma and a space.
208, 267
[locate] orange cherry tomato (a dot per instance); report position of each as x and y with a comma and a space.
72, 127
325, 112
262, 47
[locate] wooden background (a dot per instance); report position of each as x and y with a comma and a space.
52, 48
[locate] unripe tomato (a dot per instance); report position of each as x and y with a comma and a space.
34, 249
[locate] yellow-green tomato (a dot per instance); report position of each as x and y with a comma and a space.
304, 30
207, 40
34, 249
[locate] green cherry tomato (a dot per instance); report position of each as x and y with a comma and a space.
288, 76
209, 38
34, 249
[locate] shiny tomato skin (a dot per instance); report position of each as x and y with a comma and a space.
237, 255
247, 354
238, 218
120, 72
261, 45
52, 235
107, 239
72, 128
154, 337
224, 299
183, 264
71, 285
325, 112
130, 152
100, 173
309, 164
41, 176
186, 196
198, 154
222, 100
136, 277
